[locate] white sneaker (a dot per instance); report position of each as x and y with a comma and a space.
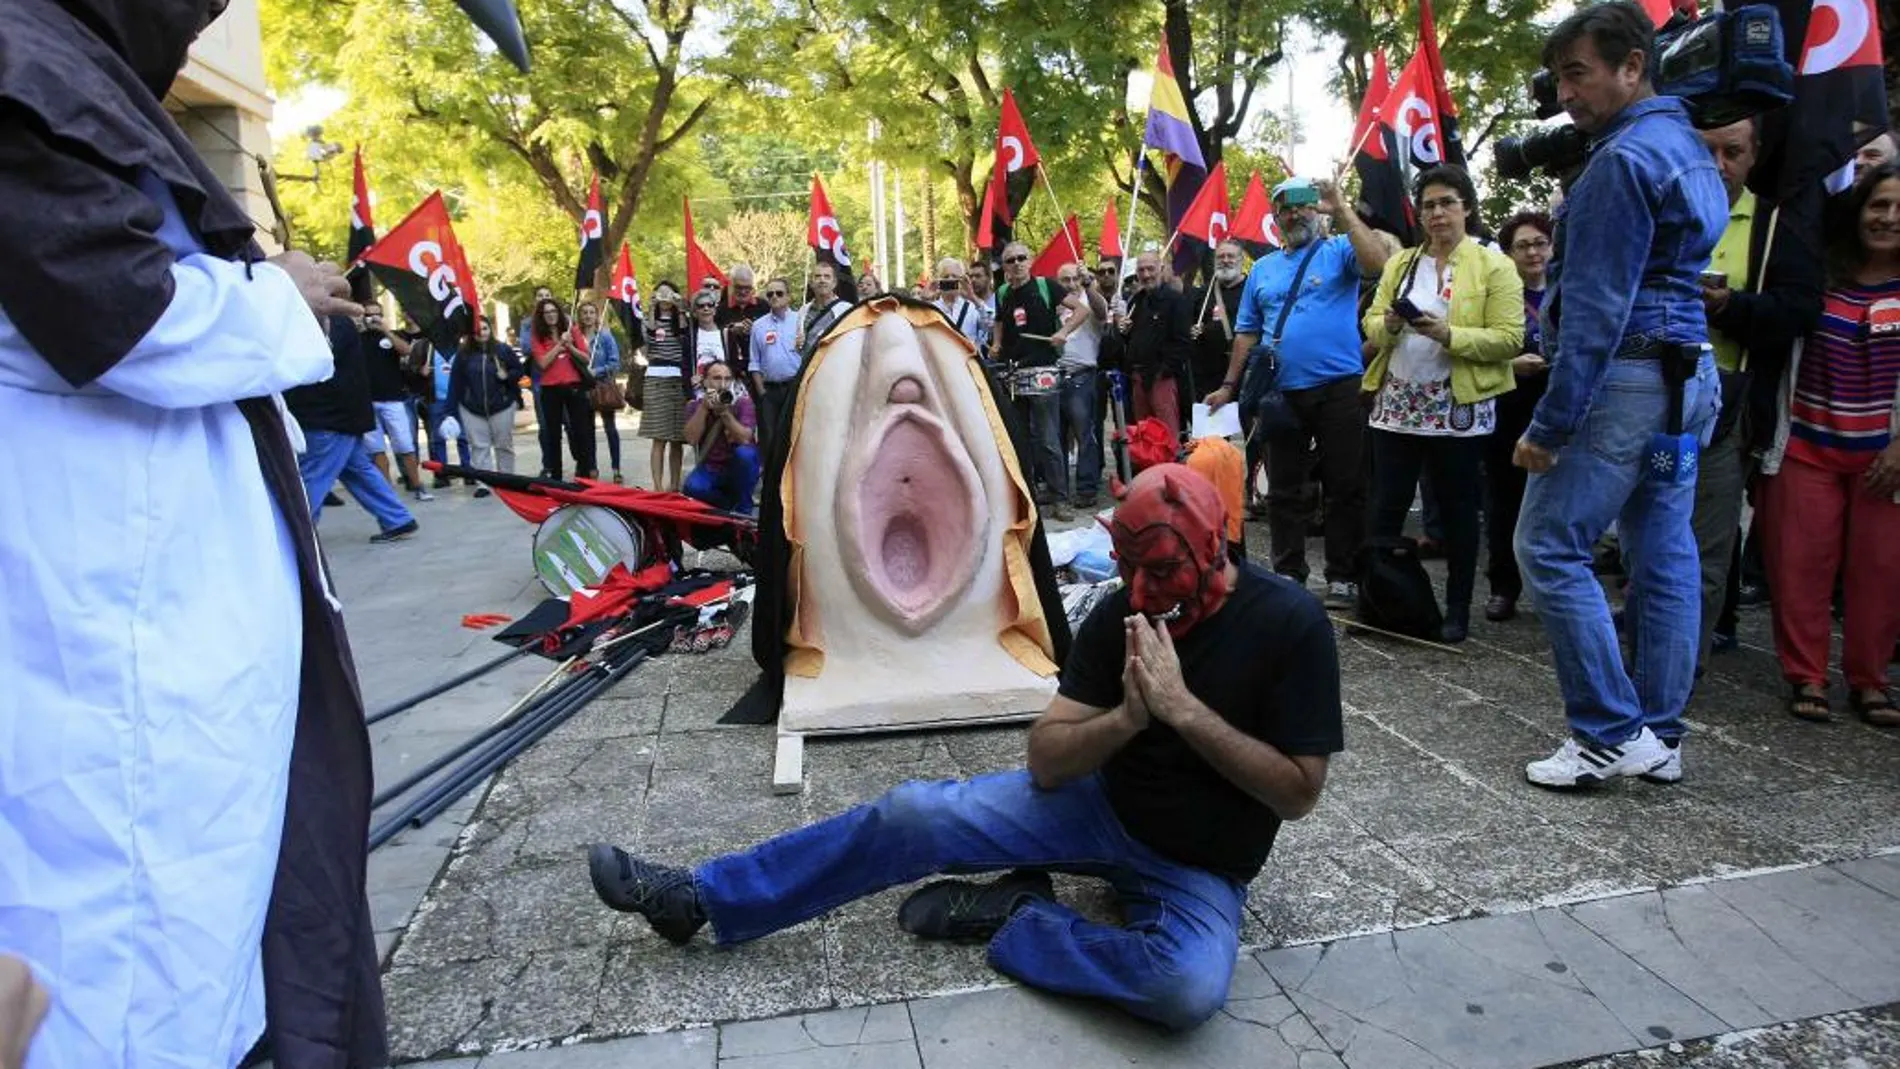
1670, 771
424, 495
1577, 765
1341, 595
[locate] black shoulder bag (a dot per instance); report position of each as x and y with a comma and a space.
1261, 398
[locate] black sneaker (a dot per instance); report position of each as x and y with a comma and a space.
331, 501
396, 534
665, 896
962, 910
482, 491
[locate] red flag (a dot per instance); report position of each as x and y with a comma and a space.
1110, 247
593, 239
1840, 100
1064, 248
1659, 11
1388, 206
1206, 218
822, 231
624, 292
362, 227
1445, 109
986, 230
1412, 110
1015, 152
699, 266
1253, 223
423, 266
1370, 110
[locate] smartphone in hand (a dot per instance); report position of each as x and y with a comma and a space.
1406, 310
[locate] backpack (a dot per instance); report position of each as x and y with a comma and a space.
1395, 594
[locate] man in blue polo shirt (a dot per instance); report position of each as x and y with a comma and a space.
776, 362
1320, 369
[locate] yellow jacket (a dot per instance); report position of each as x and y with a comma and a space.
1487, 321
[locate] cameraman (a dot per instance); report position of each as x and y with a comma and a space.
722, 427
1623, 315
957, 301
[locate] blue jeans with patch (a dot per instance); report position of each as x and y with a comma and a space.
1599, 478
1171, 962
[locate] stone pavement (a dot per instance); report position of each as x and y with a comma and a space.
1417, 918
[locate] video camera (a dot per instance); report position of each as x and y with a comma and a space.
1725, 67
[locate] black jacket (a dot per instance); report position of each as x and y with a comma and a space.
339, 403
1215, 345
1161, 342
485, 379
1036, 300
1767, 323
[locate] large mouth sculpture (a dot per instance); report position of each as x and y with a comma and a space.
909, 501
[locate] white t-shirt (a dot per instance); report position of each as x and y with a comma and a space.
710, 347
1416, 395
1084, 345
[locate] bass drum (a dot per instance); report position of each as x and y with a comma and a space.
577, 545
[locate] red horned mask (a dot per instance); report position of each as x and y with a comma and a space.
1170, 540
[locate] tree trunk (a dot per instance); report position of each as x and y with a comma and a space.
930, 224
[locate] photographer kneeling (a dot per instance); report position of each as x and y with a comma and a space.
1632, 393
722, 428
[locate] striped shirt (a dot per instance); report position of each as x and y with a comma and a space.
1842, 410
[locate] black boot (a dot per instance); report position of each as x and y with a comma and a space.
1457, 626
665, 896
962, 910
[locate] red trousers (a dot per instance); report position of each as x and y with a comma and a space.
1162, 400
1820, 524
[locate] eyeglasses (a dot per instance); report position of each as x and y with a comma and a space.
704, 306
1442, 204
775, 293
1533, 245
742, 287
1015, 259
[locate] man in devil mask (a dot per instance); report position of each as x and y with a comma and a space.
1197, 711
185, 781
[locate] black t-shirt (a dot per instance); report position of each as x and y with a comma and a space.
340, 403
385, 368
1022, 310
1267, 664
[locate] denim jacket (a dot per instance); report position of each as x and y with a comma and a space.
606, 353
1648, 208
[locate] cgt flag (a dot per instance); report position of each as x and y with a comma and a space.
423, 267
624, 293
1412, 110
699, 266
593, 239
1060, 250
1254, 227
1840, 98
1016, 156
362, 235
1376, 159
822, 231
1206, 219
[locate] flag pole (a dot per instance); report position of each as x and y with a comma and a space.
1134, 198
1062, 218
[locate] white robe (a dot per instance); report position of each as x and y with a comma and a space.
150, 648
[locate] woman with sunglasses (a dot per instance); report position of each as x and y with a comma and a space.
705, 341
666, 384
561, 352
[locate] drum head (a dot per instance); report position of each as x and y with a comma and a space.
578, 545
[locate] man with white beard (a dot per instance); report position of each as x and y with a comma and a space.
1214, 316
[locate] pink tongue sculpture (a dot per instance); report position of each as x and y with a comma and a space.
915, 524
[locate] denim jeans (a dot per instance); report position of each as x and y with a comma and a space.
1042, 415
1598, 479
1078, 418
730, 487
329, 457
1170, 963
438, 445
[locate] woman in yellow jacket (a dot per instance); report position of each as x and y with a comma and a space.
1448, 318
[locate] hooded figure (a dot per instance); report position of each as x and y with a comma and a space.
184, 771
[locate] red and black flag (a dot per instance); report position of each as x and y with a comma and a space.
1012, 175
362, 234
1452, 146
1375, 157
1254, 226
1840, 98
593, 239
1206, 217
422, 265
1418, 126
624, 293
822, 231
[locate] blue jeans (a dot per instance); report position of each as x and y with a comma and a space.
1171, 963
1080, 419
1598, 479
329, 457
1042, 415
438, 446
730, 487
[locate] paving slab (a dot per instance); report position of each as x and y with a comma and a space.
696, 1048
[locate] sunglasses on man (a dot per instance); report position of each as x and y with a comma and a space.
1015, 259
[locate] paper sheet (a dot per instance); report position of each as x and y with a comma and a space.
1222, 424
